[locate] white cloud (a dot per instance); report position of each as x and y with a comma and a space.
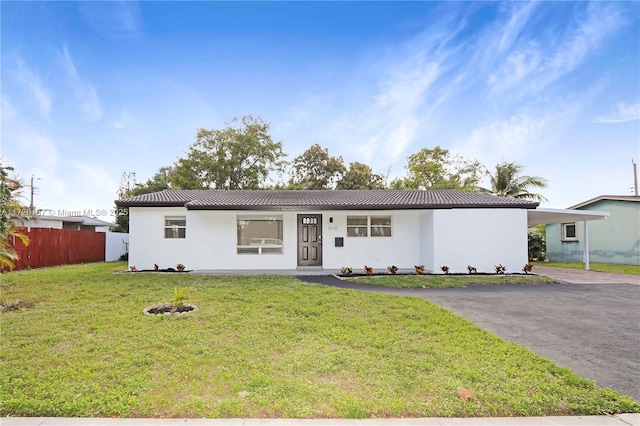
514, 26
32, 82
124, 120
94, 188
34, 153
495, 92
517, 66
625, 112
113, 19
19, 134
83, 91
514, 138
392, 119
600, 22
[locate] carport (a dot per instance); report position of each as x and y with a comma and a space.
546, 216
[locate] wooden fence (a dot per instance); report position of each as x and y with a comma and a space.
51, 247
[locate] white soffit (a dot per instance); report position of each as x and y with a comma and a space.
538, 216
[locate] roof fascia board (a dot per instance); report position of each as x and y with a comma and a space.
354, 207
603, 198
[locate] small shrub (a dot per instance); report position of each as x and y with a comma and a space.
419, 269
368, 270
179, 296
472, 269
527, 268
445, 269
392, 269
180, 267
346, 270
500, 269
537, 243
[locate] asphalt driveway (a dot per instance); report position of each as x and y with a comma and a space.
594, 329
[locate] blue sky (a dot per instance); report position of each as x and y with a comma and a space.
94, 89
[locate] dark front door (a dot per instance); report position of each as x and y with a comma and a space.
309, 240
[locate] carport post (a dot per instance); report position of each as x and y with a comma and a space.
585, 254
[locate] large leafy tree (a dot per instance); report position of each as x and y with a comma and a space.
437, 169
10, 214
360, 176
316, 169
507, 181
130, 188
241, 156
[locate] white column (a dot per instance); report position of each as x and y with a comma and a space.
585, 255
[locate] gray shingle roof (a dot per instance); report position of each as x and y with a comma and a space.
322, 200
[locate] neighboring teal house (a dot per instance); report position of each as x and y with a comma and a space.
614, 240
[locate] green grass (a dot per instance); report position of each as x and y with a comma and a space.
599, 267
292, 349
446, 281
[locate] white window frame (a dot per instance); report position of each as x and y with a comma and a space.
175, 229
260, 246
563, 231
369, 226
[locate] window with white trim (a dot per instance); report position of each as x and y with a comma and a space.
175, 227
260, 234
569, 232
369, 226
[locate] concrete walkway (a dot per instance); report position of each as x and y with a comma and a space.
617, 420
578, 276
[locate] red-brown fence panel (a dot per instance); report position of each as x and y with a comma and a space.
51, 247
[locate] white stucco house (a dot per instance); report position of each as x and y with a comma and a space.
274, 229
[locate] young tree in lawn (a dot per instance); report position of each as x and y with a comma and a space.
507, 181
240, 156
437, 169
316, 169
360, 176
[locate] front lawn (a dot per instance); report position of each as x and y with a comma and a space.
446, 281
261, 346
598, 267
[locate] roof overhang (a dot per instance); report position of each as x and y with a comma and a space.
539, 216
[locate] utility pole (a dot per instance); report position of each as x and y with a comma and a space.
33, 191
635, 177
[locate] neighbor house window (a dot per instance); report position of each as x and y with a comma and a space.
369, 226
175, 227
569, 231
260, 234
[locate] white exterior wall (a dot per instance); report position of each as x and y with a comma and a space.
401, 249
452, 237
211, 239
426, 240
481, 238
115, 245
147, 244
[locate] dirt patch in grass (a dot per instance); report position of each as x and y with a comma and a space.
14, 305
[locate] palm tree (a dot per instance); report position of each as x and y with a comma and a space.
9, 212
507, 182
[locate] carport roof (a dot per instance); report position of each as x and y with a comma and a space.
539, 216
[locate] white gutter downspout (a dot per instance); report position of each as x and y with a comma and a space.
585, 254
